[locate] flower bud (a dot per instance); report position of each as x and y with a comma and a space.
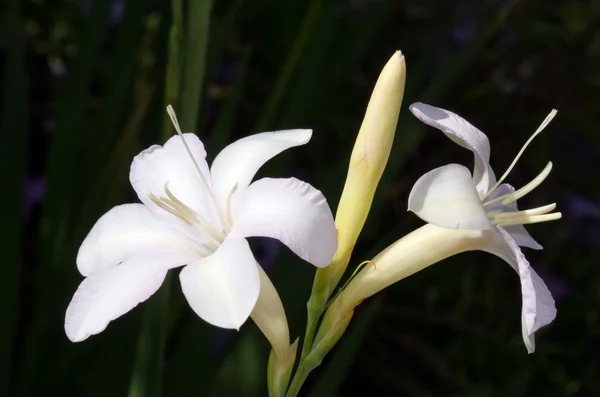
368, 160
412, 253
269, 316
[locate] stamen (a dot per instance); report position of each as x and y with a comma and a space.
181, 207
530, 186
173, 117
534, 211
524, 220
544, 124
166, 205
174, 206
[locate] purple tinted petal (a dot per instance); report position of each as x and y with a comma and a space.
538, 305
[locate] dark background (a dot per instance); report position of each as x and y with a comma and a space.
83, 91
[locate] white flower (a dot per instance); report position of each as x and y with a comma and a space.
199, 218
450, 197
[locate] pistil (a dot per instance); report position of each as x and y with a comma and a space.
173, 117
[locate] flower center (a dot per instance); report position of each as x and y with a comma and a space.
535, 215
174, 206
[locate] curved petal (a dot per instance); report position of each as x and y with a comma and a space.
223, 287
464, 134
528, 339
109, 293
517, 232
269, 316
538, 305
236, 165
131, 231
291, 211
446, 197
157, 165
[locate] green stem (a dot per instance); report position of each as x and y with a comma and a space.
173, 74
299, 378
146, 380
195, 43
315, 307
315, 357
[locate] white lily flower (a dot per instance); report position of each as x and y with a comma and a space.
450, 197
198, 218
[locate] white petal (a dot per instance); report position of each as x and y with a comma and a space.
528, 339
291, 211
517, 232
131, 231
223, 287
236, 165
538, 305
463, 133
155, 166
446, 197
522, 237
109, 293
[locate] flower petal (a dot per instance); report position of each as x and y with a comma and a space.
157, 165
538, 304
466, 135
236, 165
291, 211
223, 287
131, 231
517, 232
109, 293
446, 197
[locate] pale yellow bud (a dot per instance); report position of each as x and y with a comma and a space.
368, 160
412, 253
269, 316
278, 372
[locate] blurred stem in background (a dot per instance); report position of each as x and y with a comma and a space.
13, 130
184, 86
287, 70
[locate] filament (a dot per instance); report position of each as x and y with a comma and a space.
544, 124
530, 186
524, 219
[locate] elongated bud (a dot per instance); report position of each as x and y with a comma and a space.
368, 160
412, 253
278, 372
269, 316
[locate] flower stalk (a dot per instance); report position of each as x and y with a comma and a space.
367, 163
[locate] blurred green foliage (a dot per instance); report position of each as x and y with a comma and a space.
84, 88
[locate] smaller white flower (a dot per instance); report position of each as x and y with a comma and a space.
200, 218
450, 197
